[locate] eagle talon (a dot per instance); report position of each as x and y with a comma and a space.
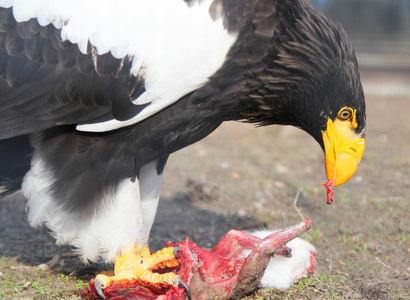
179, 282
99, 285
175, 251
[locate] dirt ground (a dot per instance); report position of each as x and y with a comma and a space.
241, 177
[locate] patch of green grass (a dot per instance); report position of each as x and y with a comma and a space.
312, 235
403, 237
19, 281
403, 293
320, 286
35, 285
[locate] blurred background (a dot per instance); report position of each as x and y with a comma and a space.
379, 29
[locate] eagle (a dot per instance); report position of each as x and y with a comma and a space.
96, 94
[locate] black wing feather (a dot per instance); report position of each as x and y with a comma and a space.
46, 31
66, 56
6, 19
14, 44
84, 62
18, 152
33, 48
106, 63
47, 79
49, 53
3, 62
25, 31
19, 71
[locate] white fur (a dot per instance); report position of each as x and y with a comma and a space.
283, 272
128, 220
176, 47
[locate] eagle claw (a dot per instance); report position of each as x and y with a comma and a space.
99, 285
179, 282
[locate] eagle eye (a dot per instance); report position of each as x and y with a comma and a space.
345, 114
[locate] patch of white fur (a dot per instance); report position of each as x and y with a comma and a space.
283, 272
126, 218
175, 46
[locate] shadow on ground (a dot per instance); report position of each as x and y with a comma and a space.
174, 222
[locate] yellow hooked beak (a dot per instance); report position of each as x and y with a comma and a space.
343, 147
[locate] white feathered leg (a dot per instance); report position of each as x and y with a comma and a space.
125, 219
